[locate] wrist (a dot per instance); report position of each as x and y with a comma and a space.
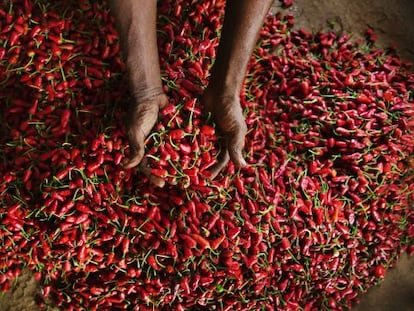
222, 87
147, 93
225, 80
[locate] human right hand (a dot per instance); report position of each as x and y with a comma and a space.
228, 115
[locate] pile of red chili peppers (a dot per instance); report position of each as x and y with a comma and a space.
318, 216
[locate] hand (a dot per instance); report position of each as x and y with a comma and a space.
141, 119
228, 115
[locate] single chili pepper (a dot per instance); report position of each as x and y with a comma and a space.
177, 134
159, 172
240, 185
201, 241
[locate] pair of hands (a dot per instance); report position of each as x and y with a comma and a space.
226, 113
137, 21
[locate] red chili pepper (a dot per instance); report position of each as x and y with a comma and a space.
95, 72
343, 229
185, 148
93, 166
285, 243
2, 53
240, 185
152, 262
169, 109
82, 253
217, 242
64, 120
201, 241
14, 37
176, 134
363, 99
159, 172
233, 233
191, 86
380, 271
208, 131
35, 31
125, 245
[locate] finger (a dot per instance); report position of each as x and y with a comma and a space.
236, 156
157, 181
235, 147
162, 101
134, 160
141, 120
136, 139
223, 159
146, 170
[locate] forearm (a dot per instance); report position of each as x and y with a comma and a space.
243, 20
136, 23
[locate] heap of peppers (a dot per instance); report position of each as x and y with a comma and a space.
316, 218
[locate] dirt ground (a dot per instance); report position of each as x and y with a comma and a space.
392, 21
394, 24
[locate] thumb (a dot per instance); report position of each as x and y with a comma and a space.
236, 156
137, 153
133, 161
223, 159
155, 180
235, 147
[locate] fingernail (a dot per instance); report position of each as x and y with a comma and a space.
243, 162
130, 163
157, 181
126, 164
240, 162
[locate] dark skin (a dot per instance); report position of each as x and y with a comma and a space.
136, 20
